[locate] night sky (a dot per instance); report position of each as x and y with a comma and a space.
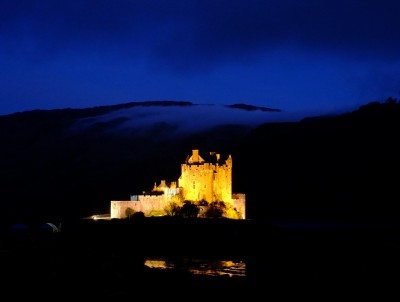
309, 57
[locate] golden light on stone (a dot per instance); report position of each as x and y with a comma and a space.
199, 181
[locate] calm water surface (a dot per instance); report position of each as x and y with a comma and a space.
200, 266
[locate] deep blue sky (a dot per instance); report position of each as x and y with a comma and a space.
315, 57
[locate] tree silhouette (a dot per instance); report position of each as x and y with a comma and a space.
129, 212
189, 210
136, 215
391, 100
172, 209
216, 209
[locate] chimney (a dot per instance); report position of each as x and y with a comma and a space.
195, 155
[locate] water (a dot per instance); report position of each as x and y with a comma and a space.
200, 266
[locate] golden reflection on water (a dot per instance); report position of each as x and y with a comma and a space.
200, 266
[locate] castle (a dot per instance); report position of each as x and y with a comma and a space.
201, 180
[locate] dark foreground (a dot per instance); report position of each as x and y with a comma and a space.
104, 259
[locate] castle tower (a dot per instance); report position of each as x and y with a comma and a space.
223, 181
209, 180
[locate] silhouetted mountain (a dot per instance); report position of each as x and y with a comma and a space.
72, 162
342, 167
69, 163
251, 108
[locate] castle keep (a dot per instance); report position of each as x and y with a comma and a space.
202, 179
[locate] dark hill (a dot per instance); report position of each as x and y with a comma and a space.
69, 163
340, 167
343, 167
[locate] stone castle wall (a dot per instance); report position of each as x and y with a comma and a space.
198, 181
239, 202
211, 182
145, 204
119, 208
223, 182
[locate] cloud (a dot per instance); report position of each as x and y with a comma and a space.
176, 120
289, 54
182, 35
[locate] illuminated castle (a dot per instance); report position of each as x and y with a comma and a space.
200, 180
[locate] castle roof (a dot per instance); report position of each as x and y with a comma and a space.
195, 158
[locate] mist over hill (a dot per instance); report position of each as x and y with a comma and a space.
69, 163
163, 121
72, 162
